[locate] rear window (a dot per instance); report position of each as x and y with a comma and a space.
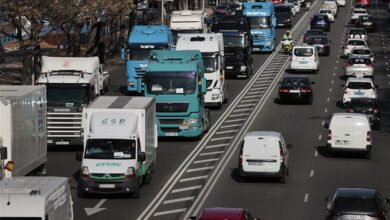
315, 32
359, 61
357, 31
317, 40
361, 52
359, 85
355, 204
303, 52
295, 82
356, 43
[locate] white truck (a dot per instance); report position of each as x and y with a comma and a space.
332, 6
212, 48
71, 83
36, 198
187, 21
120, 143
23, 130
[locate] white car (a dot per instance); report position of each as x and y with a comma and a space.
359, 66
363, 52
352, 44
358, 12
304, 58
328, 13
341, 3
357, 33
291, 5
358, 87
297, 7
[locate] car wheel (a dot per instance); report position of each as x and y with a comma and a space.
147, 178
137, 190
283, 179
368, 154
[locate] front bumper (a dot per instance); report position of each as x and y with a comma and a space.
235, 70
262, 46
88, 185
176, 129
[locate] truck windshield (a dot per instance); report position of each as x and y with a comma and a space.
171, 82
191, 31
139, 52
236, 41
62, 95
210, 62
110, 149
262, 22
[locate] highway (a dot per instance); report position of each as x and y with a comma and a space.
313, 175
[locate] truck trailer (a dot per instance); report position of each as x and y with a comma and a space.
23, 129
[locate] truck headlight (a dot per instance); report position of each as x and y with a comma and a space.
214, 96
192, 121
85, 171
242, 68
131, 84
130, 171
268, 43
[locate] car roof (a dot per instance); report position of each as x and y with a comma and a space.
321, 36
218, 213
256, 134
355, 192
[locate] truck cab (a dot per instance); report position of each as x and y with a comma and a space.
212, 48
237, 45
262, 22
143, 39
187, 21
176, 80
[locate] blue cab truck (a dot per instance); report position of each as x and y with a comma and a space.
262, 22
141, 40
176, 80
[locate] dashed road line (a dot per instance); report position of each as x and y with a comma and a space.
306, 198
311, 173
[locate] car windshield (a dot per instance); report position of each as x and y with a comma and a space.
355, 204
262, 22
110, 149
210, 62
303, 52
356, 43
326, 11
317, 40
139, 53
295, 82
359, 61
359, 85
361, 52
171, 82
234, 41
62, 95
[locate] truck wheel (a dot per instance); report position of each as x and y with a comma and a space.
147, 178
137, 190
80, 192
226, 95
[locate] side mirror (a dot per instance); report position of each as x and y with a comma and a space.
326, 125
289, 146
141, 157
204, 86
79, 155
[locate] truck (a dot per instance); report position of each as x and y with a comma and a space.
187, 21
283, 15
141, 40
237, 45
262, 22
23, 130
37, 198
212, 49
71, 84
120, 143
176, 80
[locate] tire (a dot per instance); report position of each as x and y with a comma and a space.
368, 154
137, 190
147, 178
283, 177
80, 192
226, 96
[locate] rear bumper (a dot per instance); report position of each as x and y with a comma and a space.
351, 149
243, 173
297, 66
299, 97
235, 70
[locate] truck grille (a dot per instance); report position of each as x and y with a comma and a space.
140, 71
260, 37
171, 107
63, 125
171, 121
170, 129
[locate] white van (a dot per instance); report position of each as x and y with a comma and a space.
264, 153
332, 6
304, 58
349, 132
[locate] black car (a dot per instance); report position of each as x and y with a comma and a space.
296, 89
312, 32
320, 21
321, 43
283, 15
356, 203
367, 22
368, 106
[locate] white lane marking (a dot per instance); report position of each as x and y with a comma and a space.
311, 173
325, 110
233, 120
230, 126
334, 74
337, 61
320, 137
96, 209
332, 81
211, 153
205, 161
242, 110
186, 189
200, 169
238, 115
328, 99
386, 63
257, 89
173, 211
330, 89
216, 145
229, 131
251, 96
306, 198
316, 153
385, 57
193, 178
249, 100
335, 67
339, 51
251, 93
179, 200
323, 123
221, 138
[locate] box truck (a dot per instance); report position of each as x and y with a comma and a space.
120, 142
36, 198
23, 129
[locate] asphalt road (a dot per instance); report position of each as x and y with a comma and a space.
301, 126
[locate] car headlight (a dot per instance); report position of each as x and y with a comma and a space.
193, 121
130, 171
288, 19
242, 68
85, 171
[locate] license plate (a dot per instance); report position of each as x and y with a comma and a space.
62, 142
355, 217
183, 127
255, 163
229, 67
107, 186
359, 93
171, 134
302, 62
294, 91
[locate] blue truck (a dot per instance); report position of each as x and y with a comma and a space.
262, 22
176, 80
141, 40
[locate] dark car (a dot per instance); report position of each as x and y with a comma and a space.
367, 22
356, 203
320, 21
283, 15
222, 10
368, 106
224, 214
321, 43
296, 89
312, 32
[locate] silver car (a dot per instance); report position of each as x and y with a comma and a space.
359, 66
362, 52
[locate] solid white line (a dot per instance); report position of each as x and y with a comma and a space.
221, 138
306, 197
311, 173
238, 115
193, 178
178, 200
205, 161
186, 189
316, 153
211, 153
230, 126
200, 169
233, 120
216, 145
320, 137
224, 132
169, 212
